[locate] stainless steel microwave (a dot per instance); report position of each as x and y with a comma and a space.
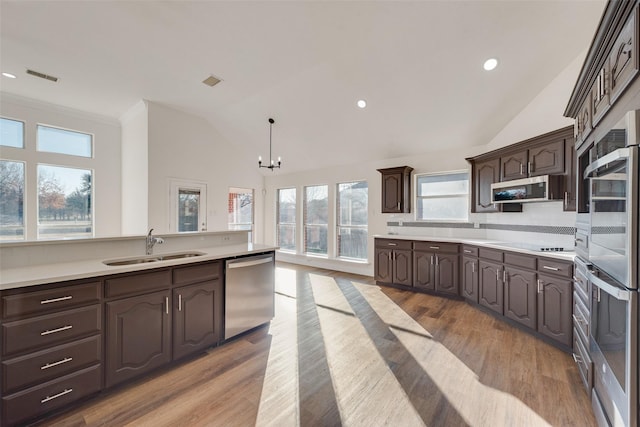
535, 189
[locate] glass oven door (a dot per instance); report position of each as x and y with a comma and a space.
613, 344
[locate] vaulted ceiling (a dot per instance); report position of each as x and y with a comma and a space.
305, 63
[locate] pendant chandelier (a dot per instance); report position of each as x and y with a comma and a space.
272, 165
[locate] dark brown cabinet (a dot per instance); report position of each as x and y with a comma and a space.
520, 296
555, 306
514, 166
490, 289
396, 189
436, 271
470, 273
51, 352
546, 159
394, 261
197, 323
138, 335
484, 174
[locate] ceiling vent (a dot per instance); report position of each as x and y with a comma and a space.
42, 75
211, 81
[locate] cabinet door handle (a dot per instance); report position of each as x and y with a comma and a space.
578, 319
398, 205
389, 256
431, 260
179, 302
521, 169
498, 274
59, 362
576, 358
436, 260
166, 305
55, 396
546, 267
539, 286
566, 199
473, 267
529, 168
53, 331
504, 276
49, 301
434, 247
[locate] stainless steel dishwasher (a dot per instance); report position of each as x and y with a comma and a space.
249, 293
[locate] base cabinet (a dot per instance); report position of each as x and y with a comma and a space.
490, 292
520, 296
394, 261
470, 278
555, 307
196, 324
138, 336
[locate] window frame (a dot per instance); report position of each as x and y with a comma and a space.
417, 198
304, 222
175, 185
39, 150
294, 224
240, 190
24, 125
339, 226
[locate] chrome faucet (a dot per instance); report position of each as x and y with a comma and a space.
152, 241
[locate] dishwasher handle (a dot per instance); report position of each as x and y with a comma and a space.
250, 263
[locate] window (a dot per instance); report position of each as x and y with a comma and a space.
11, 200
286, 219
316, 215
188, 204
352, 209
64, 202
442, 197
241, 210
11, 133
54, 140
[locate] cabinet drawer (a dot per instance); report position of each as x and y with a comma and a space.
46, 397
559, 268
137, 283
492, 254
581, 318
581, 286
520, 260
50, 299
470, 250
51, 363
50, 329
582, 243
585, 366
196, 273
451, 248
394, 244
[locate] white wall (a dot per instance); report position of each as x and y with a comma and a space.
187, 147
105, 164
135, 170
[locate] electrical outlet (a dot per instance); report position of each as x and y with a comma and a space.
476, 225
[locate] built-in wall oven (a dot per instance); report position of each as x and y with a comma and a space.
608, 214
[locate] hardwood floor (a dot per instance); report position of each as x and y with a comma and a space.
343, 351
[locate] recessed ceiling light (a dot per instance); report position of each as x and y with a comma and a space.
490, 64
361, 103
11, 76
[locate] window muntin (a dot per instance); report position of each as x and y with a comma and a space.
286, 219
11, 133
61, 141
316, 219
241, 210
352, 219
442, 197
64, 202
11, 200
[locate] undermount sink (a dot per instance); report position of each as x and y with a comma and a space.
151, 258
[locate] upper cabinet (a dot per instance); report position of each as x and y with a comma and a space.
601, 94
396, 189
543, 155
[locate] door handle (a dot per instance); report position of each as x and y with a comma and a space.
473, 267
431, 260
529, 168
436, 260
498, 275
566, 199
166, 305
179, 302
539, 286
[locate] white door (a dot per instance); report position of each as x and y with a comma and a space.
188, 205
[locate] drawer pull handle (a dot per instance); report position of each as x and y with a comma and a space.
546, 267
576, 358
53, 331
59, 362
49, 301
434, 247
392, 244
578, 319
55, 396
467, 251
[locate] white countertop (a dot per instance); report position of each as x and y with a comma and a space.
506, 246
49, 273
